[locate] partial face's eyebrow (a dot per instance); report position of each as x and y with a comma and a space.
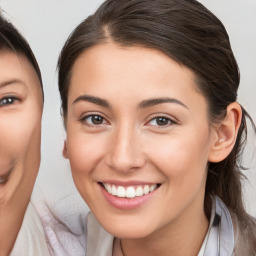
10, 82
156, 101
93, 99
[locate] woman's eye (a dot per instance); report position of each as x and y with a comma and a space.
160, 121
7, 101
94, 120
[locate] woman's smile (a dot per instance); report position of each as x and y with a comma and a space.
128, 197
130, 191
135, 141
152, 124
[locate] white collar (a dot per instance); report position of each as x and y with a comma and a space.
220, 241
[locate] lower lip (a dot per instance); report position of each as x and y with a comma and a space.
123, 203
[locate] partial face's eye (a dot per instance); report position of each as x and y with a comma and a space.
94, 120
160, 121
7, 101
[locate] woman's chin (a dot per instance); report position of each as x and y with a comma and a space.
128, 232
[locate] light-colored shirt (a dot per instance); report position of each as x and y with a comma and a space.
219, 239
31, 239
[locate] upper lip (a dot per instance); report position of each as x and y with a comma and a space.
128, 183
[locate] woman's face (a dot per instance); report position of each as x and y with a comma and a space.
138, 139
20, 127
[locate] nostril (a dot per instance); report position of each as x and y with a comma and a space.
122, 162
124, 153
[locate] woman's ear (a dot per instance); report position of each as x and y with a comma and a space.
226, 132
65, 150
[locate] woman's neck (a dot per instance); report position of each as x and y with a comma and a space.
182, 237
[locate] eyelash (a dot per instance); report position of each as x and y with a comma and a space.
103, 121
83, 120
8, 100
169, 120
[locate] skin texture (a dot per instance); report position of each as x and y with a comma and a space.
20, 135
130, 147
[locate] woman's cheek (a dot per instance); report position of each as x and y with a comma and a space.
174, 158
83, 153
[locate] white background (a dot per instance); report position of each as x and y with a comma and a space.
47, 23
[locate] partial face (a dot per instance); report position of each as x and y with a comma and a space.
20, 126
138, 139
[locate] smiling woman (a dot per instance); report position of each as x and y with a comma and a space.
21, 105
154, 132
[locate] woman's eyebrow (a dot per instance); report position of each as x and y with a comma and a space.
96, 100
10, 82
156, 101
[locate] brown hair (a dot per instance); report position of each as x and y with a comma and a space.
189, 34
12, 40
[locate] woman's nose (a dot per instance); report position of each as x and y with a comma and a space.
125, 153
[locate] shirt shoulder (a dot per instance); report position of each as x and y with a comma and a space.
31, 239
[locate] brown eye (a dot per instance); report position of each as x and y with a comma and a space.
94, 120
97, 120
161, 121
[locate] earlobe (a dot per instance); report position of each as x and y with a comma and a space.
226, 131
65, 150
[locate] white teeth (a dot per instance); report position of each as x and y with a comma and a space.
114, 191
152, 188
108, 188
129, 192
121, 191
146, 189
139, 191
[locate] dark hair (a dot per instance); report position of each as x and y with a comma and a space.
12, 40
191, 35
